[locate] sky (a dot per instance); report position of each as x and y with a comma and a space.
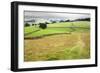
30, 15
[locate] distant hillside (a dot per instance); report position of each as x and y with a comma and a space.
85, 19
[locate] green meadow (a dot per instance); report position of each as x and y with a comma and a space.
59, 41
64, 27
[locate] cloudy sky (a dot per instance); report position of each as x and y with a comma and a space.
29, 15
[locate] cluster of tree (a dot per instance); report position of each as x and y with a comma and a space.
42, 25
60, 21
27, 24
53, 22
85, 19
34, 24
64, 21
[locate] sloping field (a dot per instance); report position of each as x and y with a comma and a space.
70, 40
64, 27
58, 47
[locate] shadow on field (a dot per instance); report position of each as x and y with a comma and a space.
38, 37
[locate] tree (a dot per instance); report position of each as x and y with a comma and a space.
46, 22
33, 24
26, 24
53, 21
67, 20
84, 19
43, 25
61, 21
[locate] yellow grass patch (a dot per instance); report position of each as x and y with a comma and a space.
58, 47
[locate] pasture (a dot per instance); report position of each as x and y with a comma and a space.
59, 41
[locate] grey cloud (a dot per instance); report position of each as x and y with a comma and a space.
29, 15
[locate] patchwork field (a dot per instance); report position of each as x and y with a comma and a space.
59, 41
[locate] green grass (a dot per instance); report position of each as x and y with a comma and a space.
30, 29
63, 27
48, 31
68, 24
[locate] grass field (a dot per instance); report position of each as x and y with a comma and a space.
65, 43
64, 27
